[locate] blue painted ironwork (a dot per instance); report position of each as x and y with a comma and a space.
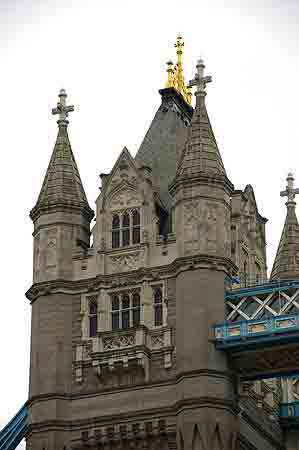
289, 409
15, 430
274, 286
256, 331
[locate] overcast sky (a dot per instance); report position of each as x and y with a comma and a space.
110, 56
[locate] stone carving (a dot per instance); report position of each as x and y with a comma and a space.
124, 199
157, 341
116, 342
191, 227
51, 254
212, 211
200, 227
126, 262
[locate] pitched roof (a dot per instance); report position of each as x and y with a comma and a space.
62, 184
286, 264
201, 153
164, 141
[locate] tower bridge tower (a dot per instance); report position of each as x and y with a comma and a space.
122, 351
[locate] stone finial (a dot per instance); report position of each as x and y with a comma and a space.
290, 192
62, 109
200, 80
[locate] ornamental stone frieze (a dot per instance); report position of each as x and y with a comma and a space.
123, 349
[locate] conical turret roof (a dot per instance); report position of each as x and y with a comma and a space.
286, 263
201, 153
201, 156
62, 186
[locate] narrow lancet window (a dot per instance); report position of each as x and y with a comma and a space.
115, 231
136, 309
125, 311
158, 307
93, 318
126, 230
115, 312
136, 227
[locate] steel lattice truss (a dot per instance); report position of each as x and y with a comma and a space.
262, 305
259, 302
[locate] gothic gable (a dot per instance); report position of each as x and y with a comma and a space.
248, 237
121, 186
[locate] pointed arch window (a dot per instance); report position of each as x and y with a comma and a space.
126, 229
125, 310
93, 318
115, 231
136, 227
158, 307
258, 273
115, 312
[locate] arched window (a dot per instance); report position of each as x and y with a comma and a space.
125, 310
136, 227
136, 309
115, 312
115, 231
258, 273
158, 306
245, 273
125, 230
93, 318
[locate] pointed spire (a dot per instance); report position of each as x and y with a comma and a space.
286, 263
175, 75
62, 186
201, 155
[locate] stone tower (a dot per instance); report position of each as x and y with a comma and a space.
121, 345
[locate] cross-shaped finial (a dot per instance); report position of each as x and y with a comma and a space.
290, 192
200, 81
62, 109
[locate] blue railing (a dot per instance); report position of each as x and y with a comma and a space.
289, 410
15, 430
272, 286
234, 332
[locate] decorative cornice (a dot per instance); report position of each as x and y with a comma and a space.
41, 209
203, 179
208, 262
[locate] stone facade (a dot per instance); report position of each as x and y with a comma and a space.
121, 349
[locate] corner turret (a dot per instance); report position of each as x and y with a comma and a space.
201, 188
62, 214
286, 263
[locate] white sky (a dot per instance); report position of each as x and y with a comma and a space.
110, 56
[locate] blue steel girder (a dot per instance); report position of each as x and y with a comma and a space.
12, 434
289, 415
261, 348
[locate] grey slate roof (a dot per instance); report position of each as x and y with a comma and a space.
62, 184
201, 153
286, 264
164, 141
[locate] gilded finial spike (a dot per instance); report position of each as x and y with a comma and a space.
170, 75
175, 74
